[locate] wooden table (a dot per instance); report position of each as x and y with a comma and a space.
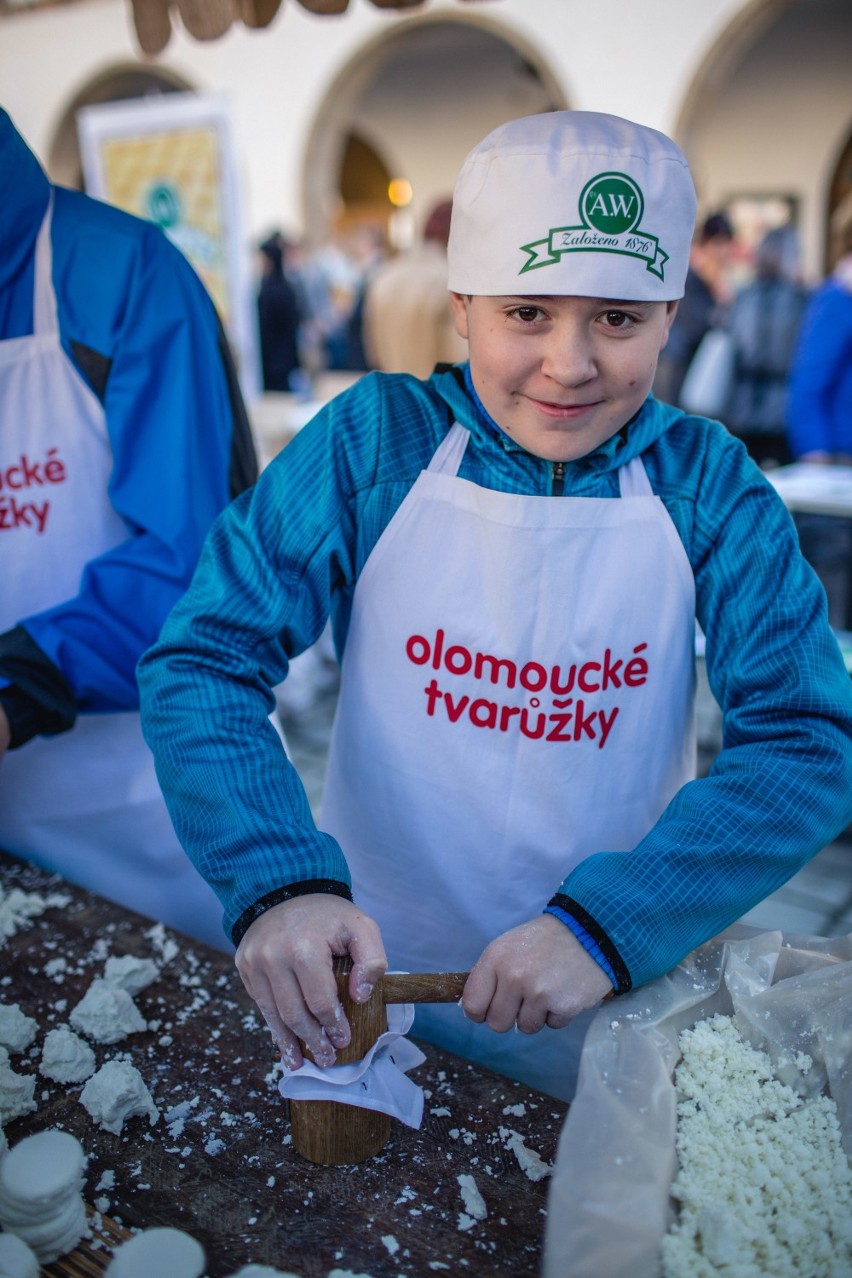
218, 1163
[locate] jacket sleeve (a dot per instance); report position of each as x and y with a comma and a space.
781, 787
179, 438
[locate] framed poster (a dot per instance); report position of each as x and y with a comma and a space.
171, 160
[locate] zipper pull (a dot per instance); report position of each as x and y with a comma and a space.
558, 479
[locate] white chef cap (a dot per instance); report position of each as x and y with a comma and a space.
573, 203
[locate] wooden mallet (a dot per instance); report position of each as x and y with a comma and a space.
331, 1132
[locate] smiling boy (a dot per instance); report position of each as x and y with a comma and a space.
513, 554
562, 374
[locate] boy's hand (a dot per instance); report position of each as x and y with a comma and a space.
285, 959
535, 975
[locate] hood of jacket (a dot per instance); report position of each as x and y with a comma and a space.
24, 193
644, 429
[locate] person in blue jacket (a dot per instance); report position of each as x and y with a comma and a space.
819, 416
123, 436
513, 553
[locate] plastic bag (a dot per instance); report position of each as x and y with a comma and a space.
709, 379
608, 1204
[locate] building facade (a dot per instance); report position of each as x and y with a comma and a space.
325, 110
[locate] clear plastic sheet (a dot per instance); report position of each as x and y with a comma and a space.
609, 1204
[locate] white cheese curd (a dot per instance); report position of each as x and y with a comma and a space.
17, 1030
117, 1092
65, 1058
107, 1014
130, 973
763, 1185
17, 1093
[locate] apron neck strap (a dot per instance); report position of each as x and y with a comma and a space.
447, 457
633, 479
44, 300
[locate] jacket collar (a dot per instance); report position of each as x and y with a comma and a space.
653, 419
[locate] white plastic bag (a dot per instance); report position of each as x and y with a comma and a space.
609, 1206
709, 379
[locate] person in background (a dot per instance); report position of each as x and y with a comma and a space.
764, 323
123, 436
707, 294
370, 252
408, 320
279, 317
819, 418
819, 414
514, 553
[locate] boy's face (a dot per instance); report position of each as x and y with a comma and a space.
561, 374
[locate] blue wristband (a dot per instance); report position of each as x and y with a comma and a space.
587, 941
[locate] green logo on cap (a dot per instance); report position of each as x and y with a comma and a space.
611, 208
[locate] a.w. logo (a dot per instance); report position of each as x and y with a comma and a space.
611, 209
612, 203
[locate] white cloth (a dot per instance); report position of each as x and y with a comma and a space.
378, 1081
85, 803
458, 816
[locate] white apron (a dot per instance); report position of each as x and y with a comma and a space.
84, 803
517, 693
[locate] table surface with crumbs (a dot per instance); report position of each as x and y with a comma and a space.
218, 1162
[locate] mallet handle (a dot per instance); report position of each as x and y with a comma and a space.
423, 987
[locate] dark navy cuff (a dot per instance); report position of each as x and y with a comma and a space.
331, 887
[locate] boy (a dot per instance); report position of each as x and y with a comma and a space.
513, 554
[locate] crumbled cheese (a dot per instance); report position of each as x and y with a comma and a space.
531, 1164
474, 1203
763, 1184
17, 908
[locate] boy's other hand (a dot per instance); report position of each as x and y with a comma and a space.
285, 961
535, 975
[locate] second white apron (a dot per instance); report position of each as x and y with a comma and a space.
85, 803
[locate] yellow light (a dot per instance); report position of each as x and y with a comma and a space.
399, 192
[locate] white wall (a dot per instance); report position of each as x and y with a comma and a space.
618, 55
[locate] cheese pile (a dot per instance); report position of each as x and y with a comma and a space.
763, 1185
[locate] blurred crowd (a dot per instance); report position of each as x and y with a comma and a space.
352, 305
768, 356
752, 345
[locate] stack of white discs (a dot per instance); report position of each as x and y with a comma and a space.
169, 1253
41, 1199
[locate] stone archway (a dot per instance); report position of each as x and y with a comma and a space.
773, 97
419, 97
116, 85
